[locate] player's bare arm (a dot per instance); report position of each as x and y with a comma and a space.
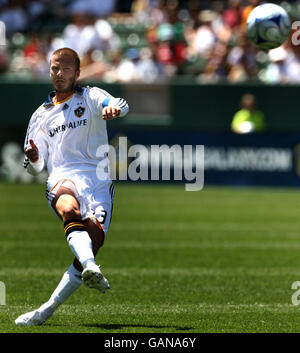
32, 152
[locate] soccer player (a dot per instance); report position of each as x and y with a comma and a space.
65, 134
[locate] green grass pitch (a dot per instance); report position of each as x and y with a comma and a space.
217, 260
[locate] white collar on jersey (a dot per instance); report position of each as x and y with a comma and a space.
48, 102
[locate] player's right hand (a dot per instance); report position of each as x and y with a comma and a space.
32, 152
109, 113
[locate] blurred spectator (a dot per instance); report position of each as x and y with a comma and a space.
3, 49
36, 9
147, 70
47, 15
114, 58
248, 119
35, 59
14, 17
127, 69
3, 61
233, 14
144, 9
136, 66
284, 66
32, 47
222, 30
84, 33
246, 11
276, 71
204, 38
92, 65
216, 69
242, 60
170, 42
96, 8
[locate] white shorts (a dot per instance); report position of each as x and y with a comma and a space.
95, 198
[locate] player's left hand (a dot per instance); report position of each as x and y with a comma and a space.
109, 113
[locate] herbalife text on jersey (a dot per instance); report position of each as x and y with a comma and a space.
152, 162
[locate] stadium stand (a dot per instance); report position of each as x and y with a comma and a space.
143, 40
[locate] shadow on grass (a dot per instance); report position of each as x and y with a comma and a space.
121, 326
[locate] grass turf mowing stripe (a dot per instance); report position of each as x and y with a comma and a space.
154, 271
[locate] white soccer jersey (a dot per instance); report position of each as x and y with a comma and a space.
69, 134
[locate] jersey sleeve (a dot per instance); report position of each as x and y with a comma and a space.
34, 133
100, 99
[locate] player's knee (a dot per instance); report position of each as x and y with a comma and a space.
68, 208
70, 212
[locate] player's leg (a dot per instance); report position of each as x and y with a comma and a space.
92, 277
72, 278
97, 236
69, 283
84, 239
77, 236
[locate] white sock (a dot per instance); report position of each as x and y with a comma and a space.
81, 246
71, 280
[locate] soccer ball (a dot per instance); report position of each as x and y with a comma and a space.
268, 26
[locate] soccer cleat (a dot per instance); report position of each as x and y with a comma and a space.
93, 278
34, 318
